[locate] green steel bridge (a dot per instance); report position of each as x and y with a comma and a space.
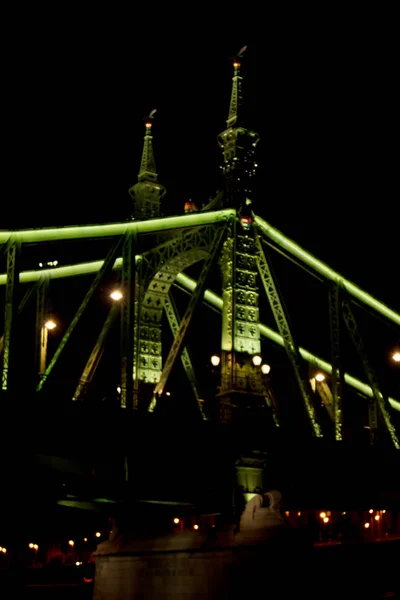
221, 257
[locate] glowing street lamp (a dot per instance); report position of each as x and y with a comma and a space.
265, 369
320, 377
215, 360
49, 325
116, 295
396, 356
71, 543
257, 360
176, 520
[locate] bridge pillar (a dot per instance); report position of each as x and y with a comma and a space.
9, 366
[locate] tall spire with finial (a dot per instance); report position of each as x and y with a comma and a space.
238, 146
147, 192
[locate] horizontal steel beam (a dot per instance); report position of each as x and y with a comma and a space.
216, 301
323, 269
79, 232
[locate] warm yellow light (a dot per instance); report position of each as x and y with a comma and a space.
326, 520
322, 515
257, 360
384, 511
299, 514
31, 545
215, 360
71, 543
85, 539
371, 511
236, 64
377, 517
320, 377
35, 547
116, 295
195, 526
176, 520
4, 550
119, 389
97, 534
287, 513
396, 356
366, 525
167, 393
50, 325
78, 563
265, 369
148, 124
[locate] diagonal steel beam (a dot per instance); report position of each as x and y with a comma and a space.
128, 280
187, 284
96, 354
173, 319
104, 271
183, 327
380, 399
285, 331
26, 298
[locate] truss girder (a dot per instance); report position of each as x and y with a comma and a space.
194, 299
337, 371
174, 321
380, 399
105, 269
41, 332
284, 329
96, 354
10, 314
129, 290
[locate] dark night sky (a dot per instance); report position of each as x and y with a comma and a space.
323, 99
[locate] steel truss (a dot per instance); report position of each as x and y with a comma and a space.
284, 329
378, 399
174, 321
183, 327
127, 319
104, 271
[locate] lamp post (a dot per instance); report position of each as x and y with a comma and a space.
48, 326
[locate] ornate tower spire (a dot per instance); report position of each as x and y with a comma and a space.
147, 192
238, 146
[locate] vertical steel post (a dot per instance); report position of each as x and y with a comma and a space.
337, 371
41, 330
10, 313
127, 319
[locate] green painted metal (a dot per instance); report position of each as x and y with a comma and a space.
104, 271
25, 300
194, 299
127, 319
174, 321
54, 234
286, 333
337, 371
10, 310
380, 399
96, 354
215, 301
324, 270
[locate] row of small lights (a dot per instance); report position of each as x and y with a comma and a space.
3, 550
256, 359
71, 543
325, 516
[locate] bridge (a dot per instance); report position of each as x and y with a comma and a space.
110, 330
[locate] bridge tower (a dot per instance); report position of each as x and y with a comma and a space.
242, 383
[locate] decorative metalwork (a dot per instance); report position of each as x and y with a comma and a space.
179, 338
337, 371
9, 312
379, 398
104, 271
284, 329
174, 321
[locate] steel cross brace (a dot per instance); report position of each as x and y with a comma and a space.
13, 251
187, 317
174, 322
337, 371
105, 269
127, 319
96, 354
379, 398
27, 296
284, 329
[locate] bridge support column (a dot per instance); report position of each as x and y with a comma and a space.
9, 367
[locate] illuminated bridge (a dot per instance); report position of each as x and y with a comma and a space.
109, 330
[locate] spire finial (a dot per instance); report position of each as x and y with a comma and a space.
236, 95
147, 170
147, 192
